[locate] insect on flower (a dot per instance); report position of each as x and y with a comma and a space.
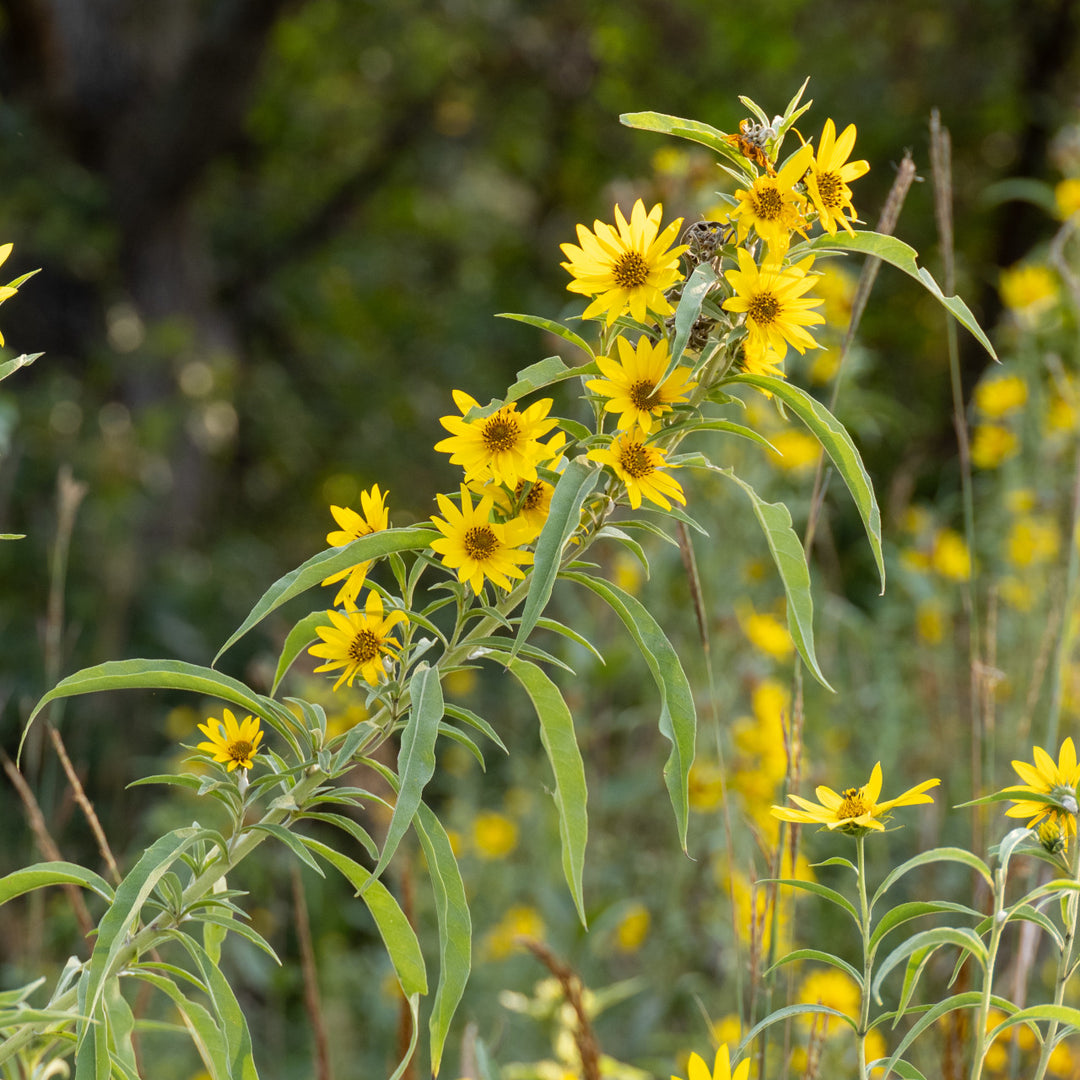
750, 141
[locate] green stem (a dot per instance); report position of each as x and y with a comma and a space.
868, 959
1065, 963
982, 1043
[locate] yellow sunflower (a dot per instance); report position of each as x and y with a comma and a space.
358, 642
772, 205
478, 548
232, 744
374, 518
855, 810
503, 447
699, 1070
829, 176
626, 267
776, 311
635, 385
1056, 781
640, 467
6, 291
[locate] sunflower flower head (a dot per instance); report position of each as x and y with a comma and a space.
12, 287
772, 205
697, 1069
854, 810
477, 547
635, 385
231, 744
503, 447
358, 642
1054, 787
641, 468
772, 300
374, 518
625, 267
829, 175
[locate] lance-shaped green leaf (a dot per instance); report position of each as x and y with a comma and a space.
416, 757
202, 1027
159, 675
324, 564
686, 314
546, 373
820, 957
117, 923
455, 928
300, 636
678, 717
904, 257
789, 1011
915, 909
39, 875
970, 999
394, 928
571, 795
9, 367
577, 480
790, 559
551, 327
414, 1028
837, 444
1060, 1014
944, 854
704, 134
966, 940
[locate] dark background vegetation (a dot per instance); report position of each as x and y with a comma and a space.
274, 233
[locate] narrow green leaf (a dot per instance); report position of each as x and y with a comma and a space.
964, 939
160, 675
1026, 913
694, 292
121, 1026
971, 999
945, 854
300, 636
192, 783
455, 928
394, 928
346, 824
571, 795
823, 891
9, 367
704, 134
564, 517
729, 426
1061, 1014
416, 758
678, 716
123, 913
414, 1012
904, 257
821, 957
790, 559
610, 532
39, 875
551, 327
290, 840
467, 716
562, 630
903, 913
330, 561
784, 1014
837, 443
546, 373
202, 1027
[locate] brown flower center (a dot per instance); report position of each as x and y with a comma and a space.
630, 271
501, 432
644, 395
854, 804
831, 189
763, 308
241, 750
768, 203
533, 497
634, 458
365, 647
480, 543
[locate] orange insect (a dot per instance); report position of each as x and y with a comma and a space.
750, 141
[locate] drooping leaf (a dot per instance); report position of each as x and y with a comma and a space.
300, 636
546, 373
455, 928
39, 875
694, 292
790, 559
570, 794
394, 928
837, 443
704, 134
904, 257
551, 327
577, 480
416, 758
678, 716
